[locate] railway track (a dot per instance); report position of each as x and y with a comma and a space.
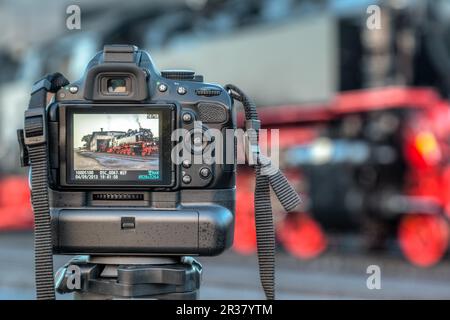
335, 275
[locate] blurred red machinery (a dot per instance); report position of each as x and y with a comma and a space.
376, 161
373, 160
15, 206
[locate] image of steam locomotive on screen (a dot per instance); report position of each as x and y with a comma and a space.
136, 149
134, 142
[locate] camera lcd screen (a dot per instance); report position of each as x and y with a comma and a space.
116, 147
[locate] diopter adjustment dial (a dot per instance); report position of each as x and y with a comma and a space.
178, 74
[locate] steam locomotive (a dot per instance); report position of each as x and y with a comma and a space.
135, 142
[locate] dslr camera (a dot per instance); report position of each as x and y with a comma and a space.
119, 182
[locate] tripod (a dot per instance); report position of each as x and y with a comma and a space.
134, 277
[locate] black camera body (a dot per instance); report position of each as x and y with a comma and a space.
115, 188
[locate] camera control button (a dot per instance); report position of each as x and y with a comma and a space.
205, 173
181, 90
208, 92
162, 87
186, 164
198, 141
73, 89
187, 117
187, 179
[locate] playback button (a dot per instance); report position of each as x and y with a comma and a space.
187, 179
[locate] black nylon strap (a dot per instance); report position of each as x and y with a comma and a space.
265, 233
266, 176
42, 229
36, 143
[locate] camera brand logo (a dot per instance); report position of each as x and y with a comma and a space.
73, 21
73, 273
374, 280
373, 22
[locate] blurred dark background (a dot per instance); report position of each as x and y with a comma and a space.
362, 110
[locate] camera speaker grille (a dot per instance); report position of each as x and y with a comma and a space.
118, 196
212, 113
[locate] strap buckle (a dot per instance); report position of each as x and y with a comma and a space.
252, 149
252, 124
23, 151
35, 131
43, 83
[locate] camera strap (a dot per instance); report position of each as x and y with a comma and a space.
267, 176
33, 141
